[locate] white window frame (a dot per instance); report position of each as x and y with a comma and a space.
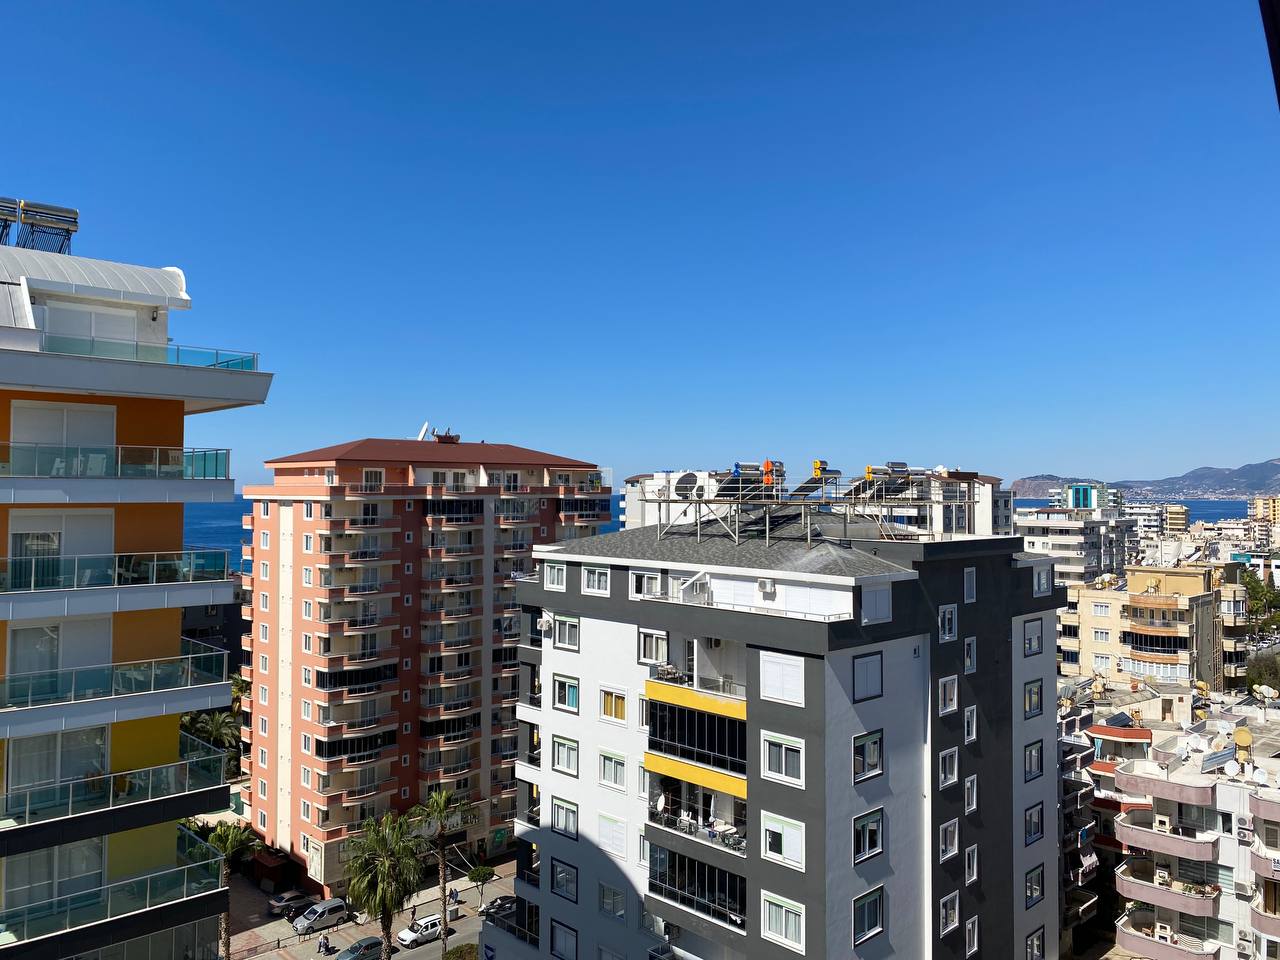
948, 628
767, 736
954, 754
658, 637
647, 575
950, 904
970, 584
777, 665
877, 815
971, 936
853, 755
971, 723
568, 807
971, 864
573, 753
615, 692
620, 763
779, 824
767, 898
576, 645
598, 572
553, 577
948, 695
971, 793
970, 655
947, 850
877, 894
877, 603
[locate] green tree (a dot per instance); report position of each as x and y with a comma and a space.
386, 868
233, 841
239, 690
480, 876
219, 727
1262, 668
442, 806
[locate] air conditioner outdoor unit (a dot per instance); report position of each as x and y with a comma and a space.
714, 642
1244, 936
1244, 835
544, 623
1244, 820
765, 585
1245, 891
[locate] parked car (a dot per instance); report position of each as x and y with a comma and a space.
281, 901
320, 916
498, 906
298, 908
421, 931
366, 948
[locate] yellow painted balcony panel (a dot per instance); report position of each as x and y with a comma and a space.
682, 693
661, 765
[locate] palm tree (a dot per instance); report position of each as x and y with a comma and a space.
219, 728
442, 806
233, 841
386, 869
240, 688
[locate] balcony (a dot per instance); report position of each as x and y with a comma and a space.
344, 791
196, 873
1075, 752
1265, 804
1076, 837
667, 813
28, 699
1076, 794
1079, 906
1181, 783
1138, 879
1135, 828
1137, 931
43, 473
1263, 920
1264, 860
687, 597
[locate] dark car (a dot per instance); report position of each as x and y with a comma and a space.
297, 908
366, 948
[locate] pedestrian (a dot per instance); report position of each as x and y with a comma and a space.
413, 913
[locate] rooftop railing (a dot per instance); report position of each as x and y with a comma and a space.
201, 766
174, 354
199, 665
48, 460
22, 574
197, 872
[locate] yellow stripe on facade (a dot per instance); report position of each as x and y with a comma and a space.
693, 773
682, 696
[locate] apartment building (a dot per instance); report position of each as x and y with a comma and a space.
1083, 530
1162, 624
382, 651
1078, 862
1176, 519
95, 392
785, 743
1192, 830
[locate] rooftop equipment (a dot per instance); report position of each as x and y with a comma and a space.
46, 227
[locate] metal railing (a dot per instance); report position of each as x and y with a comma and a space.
200, 664
22, 574
202, 766
47, 460
731, 836
198, 872
174, 354
691, 900
706, 600
669, 673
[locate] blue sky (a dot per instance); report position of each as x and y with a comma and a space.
1006, 236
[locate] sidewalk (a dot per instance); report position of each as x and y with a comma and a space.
265, 942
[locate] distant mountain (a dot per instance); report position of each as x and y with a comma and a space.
1251, 480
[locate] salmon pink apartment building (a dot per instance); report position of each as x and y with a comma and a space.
380, 579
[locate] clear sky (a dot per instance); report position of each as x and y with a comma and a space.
1015, 237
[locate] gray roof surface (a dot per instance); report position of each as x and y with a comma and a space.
81, 276
680, 546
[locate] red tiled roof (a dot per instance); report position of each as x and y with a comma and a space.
433, 452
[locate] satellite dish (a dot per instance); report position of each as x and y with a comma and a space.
685, 486
1233, 768
1259, 776
1270, 693
1197, 743
1243, 737
1225, 727
1218, 744
1184, 753
1186, 727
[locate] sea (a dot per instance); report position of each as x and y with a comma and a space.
1207, 510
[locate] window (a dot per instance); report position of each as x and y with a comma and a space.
566, 634
262, 725
613, 705
782, 921
262, 789
613, 835
971, 793
262, 695
971, 936
307, 541
1035, 945
308, 510
1101, 663
948, 913
782, 678
565, 690
564, 755
262, 757
644, 584
868, 835
877, 604
564, 880
868, 677
262, 663
1033, 823
643, 710
783, 840
1034, 886
262, 819
564, 817
970, 584
1044, 580
264, 632
1102, 636
947, 623
868, 915
264, 602
970, 654
595, 580
306, 709
1032, 638
553, 577
613, 771
1102, 609
306, 643
1032, 761
653, 647
564, 941
306, 776
264, 570
782, 758
971, 864
948, 840
868, 756
306, 743
948, 695
1032, 699
970, 724
613, 902
264, 539
306, 810
948, 767
306, 610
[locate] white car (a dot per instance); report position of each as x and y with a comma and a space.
421, 931
281, 901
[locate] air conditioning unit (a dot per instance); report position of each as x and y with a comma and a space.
765, 585
1165, 931
1244, 938
1162, 823
1162, 878
1245, 892
714, 643
544, 623
1244, 820
1244, 835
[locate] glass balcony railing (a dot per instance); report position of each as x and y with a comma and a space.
45, 460
200, 664
201, 766
21, 574
168, 353
197, 871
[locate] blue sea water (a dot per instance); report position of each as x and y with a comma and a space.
1207, 510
